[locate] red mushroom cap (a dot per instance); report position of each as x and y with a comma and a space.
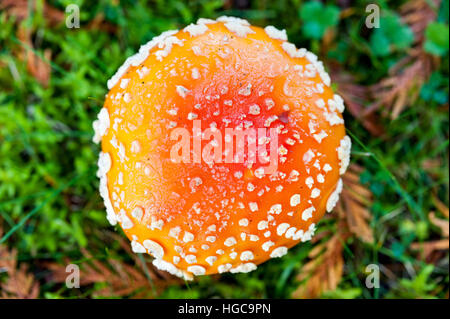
202, 215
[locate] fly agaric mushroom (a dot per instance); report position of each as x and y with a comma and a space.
196, 217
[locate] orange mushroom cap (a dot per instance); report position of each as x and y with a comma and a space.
198, 217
